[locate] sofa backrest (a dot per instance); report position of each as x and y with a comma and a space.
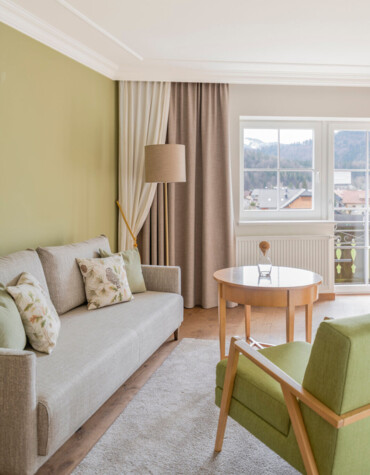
63, 275
338, 374
13, 265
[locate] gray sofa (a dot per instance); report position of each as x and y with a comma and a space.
44, 399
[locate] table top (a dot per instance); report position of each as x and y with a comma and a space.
280, 278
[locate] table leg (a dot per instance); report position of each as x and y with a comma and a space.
308, 310
290, 321
221, 321
247, 311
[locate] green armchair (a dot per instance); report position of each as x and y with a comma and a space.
311, 405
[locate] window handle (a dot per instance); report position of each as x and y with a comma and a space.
317, 177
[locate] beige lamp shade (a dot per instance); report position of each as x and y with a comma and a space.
165, 163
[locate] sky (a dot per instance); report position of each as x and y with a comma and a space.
287, 136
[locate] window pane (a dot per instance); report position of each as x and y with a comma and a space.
350, 228
260, 148
260, 190
295, 190
349, 149
349, 265
296, 148
349, 189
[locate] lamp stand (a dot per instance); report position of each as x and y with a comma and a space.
166, 222
126, 222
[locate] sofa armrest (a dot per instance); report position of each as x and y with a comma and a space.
18, 412
162, 278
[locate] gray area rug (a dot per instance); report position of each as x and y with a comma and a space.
170, 426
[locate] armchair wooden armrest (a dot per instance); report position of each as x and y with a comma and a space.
292, 392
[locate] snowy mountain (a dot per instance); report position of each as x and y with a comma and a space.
255, 144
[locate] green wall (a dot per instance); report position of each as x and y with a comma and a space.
58, 147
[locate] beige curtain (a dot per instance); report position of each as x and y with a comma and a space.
200, 210
143, 116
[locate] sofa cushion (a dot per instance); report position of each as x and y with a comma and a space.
105, 281
12, 334
13, 265
63, 275
257, 391
132, 261
41, 321
96, 352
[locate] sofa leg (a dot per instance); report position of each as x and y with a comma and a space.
176, 334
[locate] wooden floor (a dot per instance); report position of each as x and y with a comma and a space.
268, 325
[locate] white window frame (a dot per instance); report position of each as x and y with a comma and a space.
359, 125
319, 210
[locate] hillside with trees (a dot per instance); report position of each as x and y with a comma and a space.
259, 155
350, 149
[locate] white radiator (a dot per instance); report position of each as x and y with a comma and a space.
314, 253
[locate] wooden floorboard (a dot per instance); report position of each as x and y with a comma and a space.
267, 325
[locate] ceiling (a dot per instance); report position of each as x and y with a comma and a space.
321, 42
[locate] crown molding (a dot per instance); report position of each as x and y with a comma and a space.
249, 73
23, 21
242, 77
97, 27
192, 70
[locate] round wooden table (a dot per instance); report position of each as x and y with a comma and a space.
286, 287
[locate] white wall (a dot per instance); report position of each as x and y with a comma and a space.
288, 101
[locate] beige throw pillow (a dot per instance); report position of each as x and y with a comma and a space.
105, 281
40, 319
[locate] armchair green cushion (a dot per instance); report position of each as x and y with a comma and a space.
338, 374
257, 391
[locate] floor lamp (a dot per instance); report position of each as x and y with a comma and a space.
165, 164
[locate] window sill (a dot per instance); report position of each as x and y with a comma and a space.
286, 221
354, 289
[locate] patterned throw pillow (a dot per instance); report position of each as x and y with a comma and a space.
132, 261
105, 281
40, 319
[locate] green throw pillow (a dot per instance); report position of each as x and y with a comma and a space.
132, 262
12, 334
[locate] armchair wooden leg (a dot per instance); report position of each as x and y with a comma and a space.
176, 334
227, 392
300, 431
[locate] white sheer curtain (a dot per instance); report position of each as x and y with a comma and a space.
143, 116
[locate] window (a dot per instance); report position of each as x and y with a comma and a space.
280, 164
299, 169
351, 203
